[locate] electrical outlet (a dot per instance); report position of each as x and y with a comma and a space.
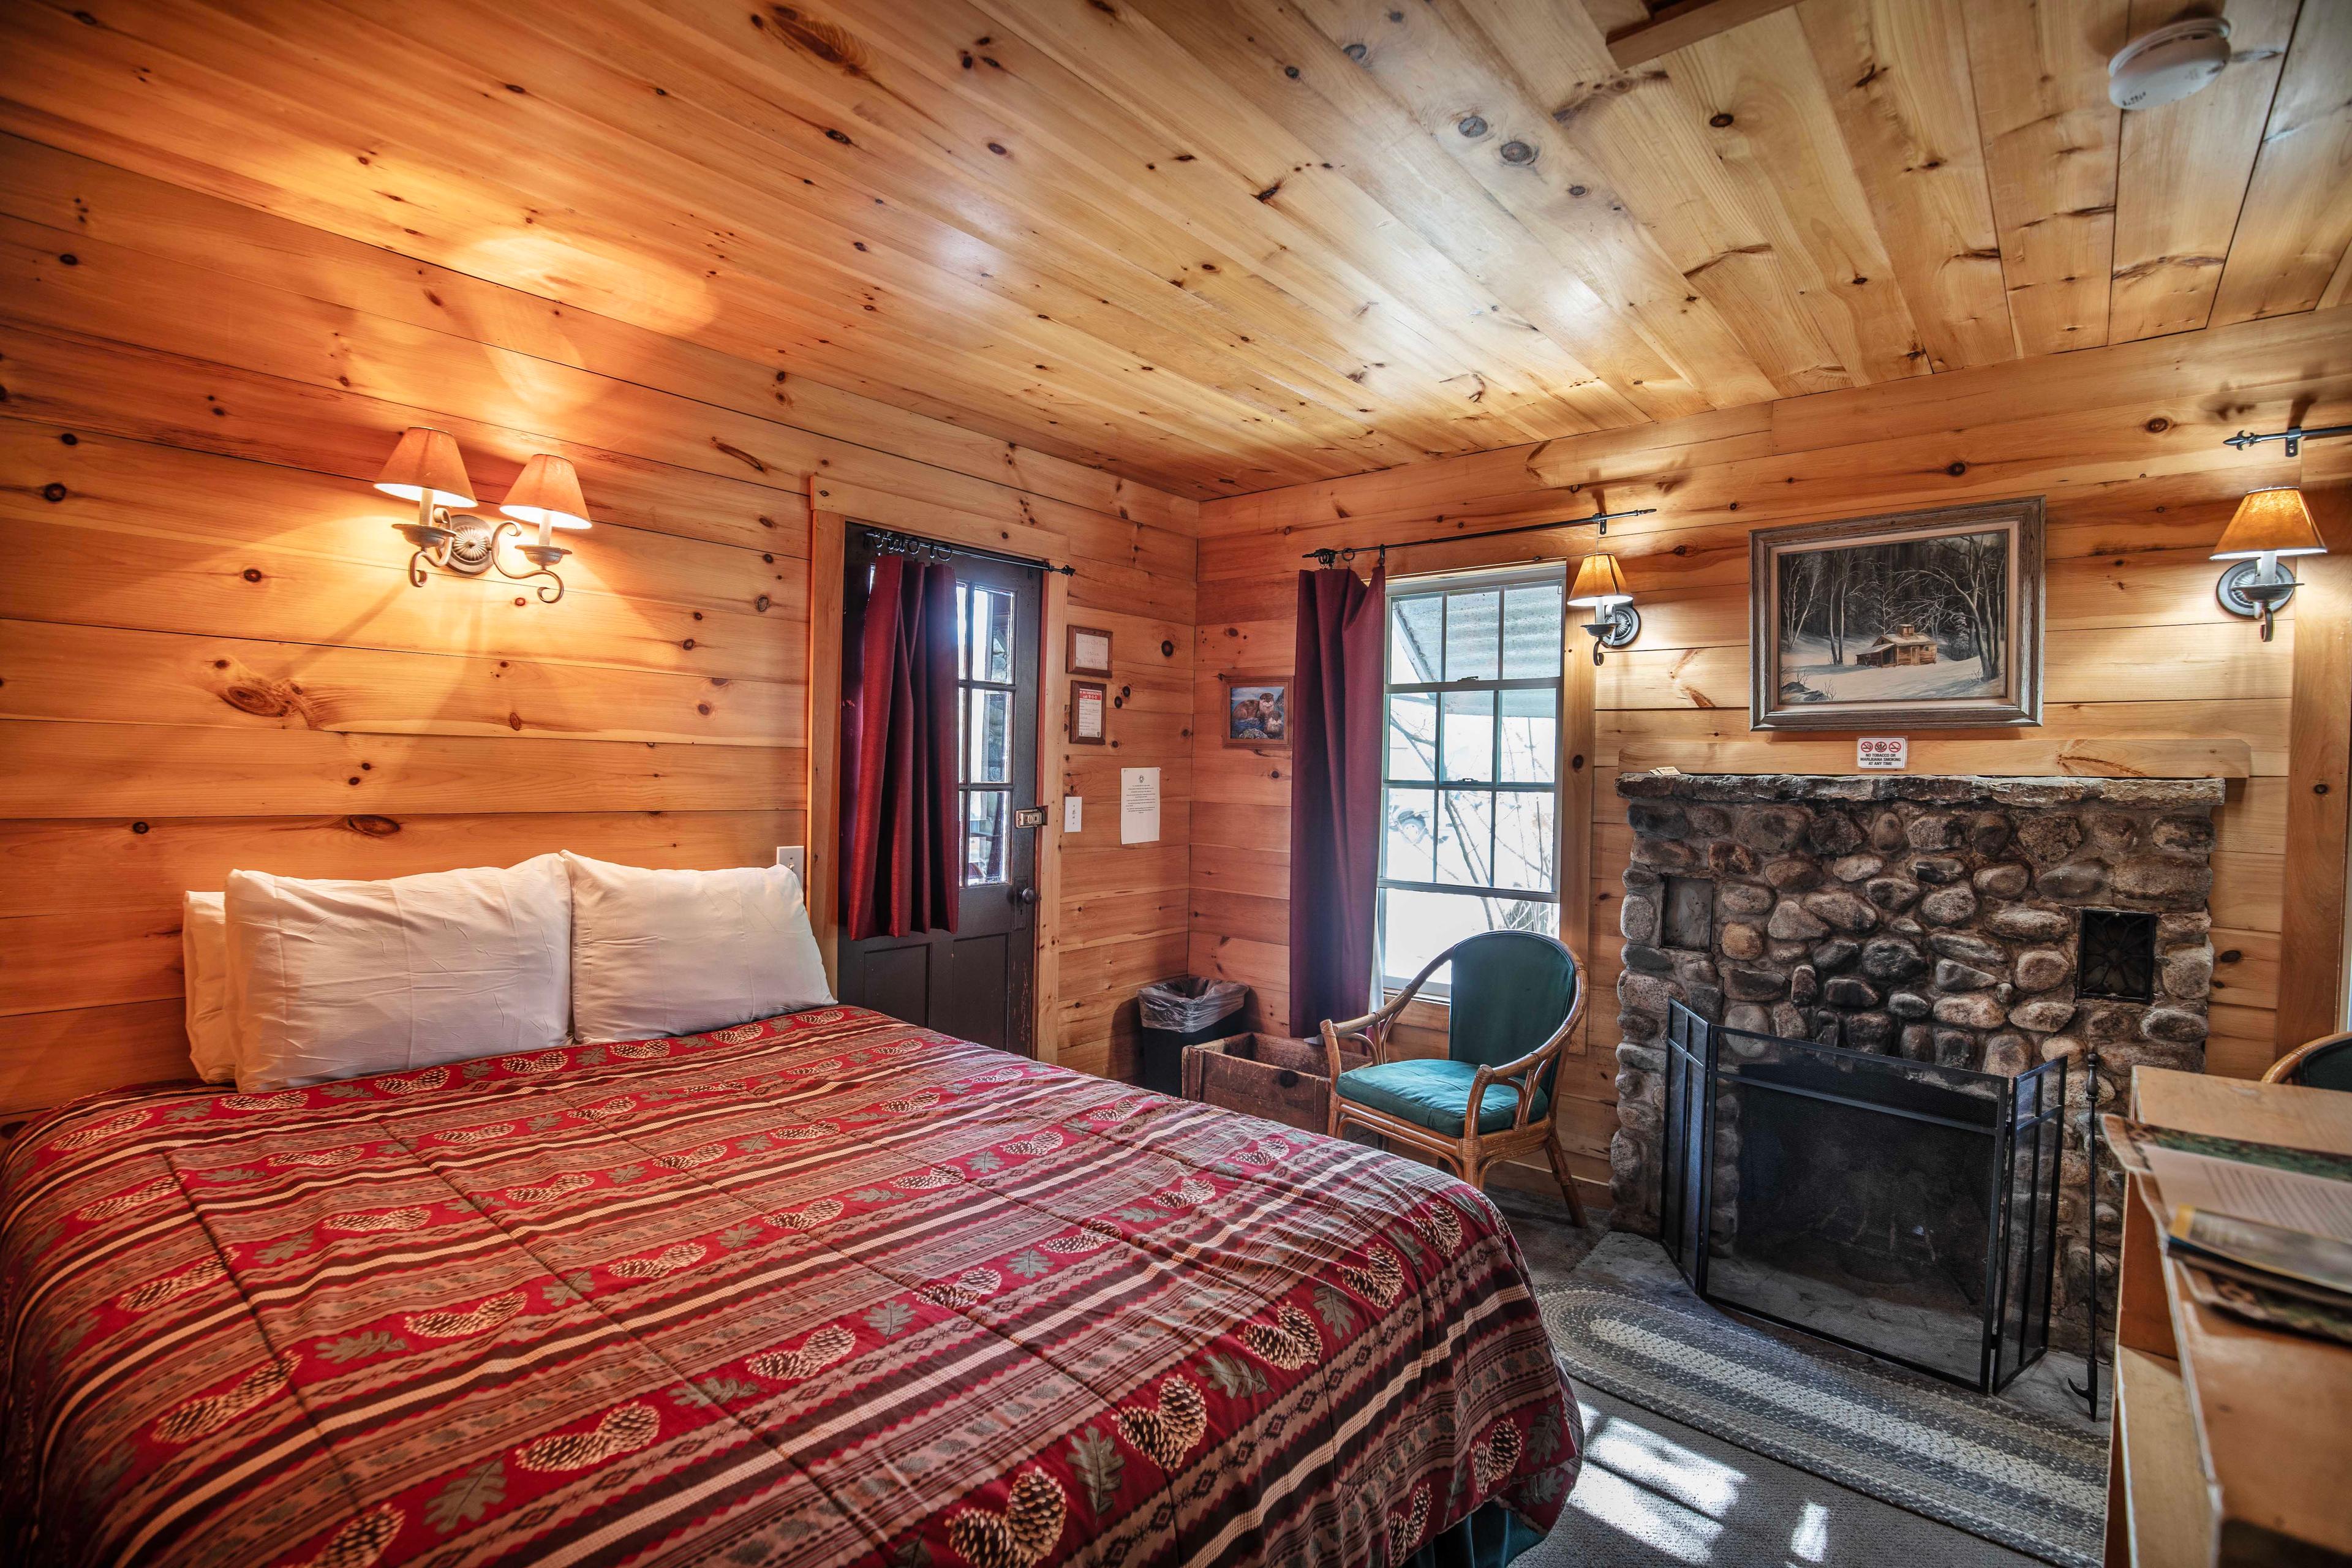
1074, 813
796, 858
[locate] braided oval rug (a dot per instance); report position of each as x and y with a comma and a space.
1627, 1322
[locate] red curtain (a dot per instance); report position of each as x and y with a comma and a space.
900, 871
1336, 720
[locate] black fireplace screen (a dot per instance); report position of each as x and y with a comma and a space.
1894, 1206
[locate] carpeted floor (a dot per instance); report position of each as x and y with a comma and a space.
1654, 1493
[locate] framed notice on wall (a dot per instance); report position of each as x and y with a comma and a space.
1090, 651
1089, 701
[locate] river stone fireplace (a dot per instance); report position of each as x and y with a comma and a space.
1989, 924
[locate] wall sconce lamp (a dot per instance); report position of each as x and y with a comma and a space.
2269, 523
1615, 622
427, 469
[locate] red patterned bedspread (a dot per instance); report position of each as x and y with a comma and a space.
827, 1289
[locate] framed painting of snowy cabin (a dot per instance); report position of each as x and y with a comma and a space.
1917, 620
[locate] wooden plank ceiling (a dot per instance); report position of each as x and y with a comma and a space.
1219, 246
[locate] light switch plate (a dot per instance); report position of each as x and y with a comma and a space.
795, 857
1074, 813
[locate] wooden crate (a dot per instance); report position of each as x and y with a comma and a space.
1271, 1076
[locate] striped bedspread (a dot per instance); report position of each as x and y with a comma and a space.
826, 1289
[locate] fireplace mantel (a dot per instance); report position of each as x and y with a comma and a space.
2013, 755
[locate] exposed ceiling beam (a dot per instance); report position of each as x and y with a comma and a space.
1672, 27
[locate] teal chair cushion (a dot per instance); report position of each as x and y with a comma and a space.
1434, 1094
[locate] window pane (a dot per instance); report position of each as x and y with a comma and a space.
1470, 735
1415, 927
1413, 832
990, 653
1531, 630
989, 733
1473, 624
983, 840
963, 631
1412, 736
1465, 837
1531, 736
1524, 845
1412, 641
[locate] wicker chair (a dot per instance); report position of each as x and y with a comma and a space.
2323, 1063
1516, 999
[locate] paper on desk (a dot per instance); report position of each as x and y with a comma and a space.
2285, 1198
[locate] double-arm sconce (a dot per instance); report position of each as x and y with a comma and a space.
427, 469
2270, 524
1600, 587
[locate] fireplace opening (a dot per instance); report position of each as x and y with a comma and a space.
1894, 1206
2116, 955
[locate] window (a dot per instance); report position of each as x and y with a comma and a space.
984, 682
1470, 795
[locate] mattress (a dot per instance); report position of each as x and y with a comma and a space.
825, 1288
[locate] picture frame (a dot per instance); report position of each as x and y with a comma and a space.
1257, 712
1090, 651
1916, 620
1089, 713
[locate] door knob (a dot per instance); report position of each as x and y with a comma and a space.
1027, 895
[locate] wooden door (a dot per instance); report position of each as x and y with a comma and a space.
976, 982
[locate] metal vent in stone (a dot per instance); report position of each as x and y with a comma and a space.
2117, 955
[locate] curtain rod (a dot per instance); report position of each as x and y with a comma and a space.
1333, 557
890, 542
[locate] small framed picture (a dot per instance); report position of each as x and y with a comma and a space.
1257, 712
1089, 703
1090, 651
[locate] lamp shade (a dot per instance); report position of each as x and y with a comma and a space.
1598, 582
547, 491
425, 464
2270, 522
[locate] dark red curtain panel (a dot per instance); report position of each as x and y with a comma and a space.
1335, 793
900, 871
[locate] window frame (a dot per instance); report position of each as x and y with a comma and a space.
1443, 586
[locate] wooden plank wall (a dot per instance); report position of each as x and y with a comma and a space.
209, 656
2124, 442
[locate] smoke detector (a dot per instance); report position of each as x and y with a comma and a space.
2168, 64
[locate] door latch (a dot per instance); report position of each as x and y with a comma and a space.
1029, 817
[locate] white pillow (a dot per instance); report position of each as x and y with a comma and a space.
333, 979
655, 953
204, 965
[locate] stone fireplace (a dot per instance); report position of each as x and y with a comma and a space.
1982, 923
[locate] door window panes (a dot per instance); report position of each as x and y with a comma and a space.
989, 728
984, 723
984, 843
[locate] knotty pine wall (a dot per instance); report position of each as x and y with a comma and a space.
2125, 444
210, 657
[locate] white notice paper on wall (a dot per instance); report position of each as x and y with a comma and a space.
1139, 805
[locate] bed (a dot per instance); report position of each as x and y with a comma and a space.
824, 1288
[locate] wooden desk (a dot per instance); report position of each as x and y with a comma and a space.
2232, 1444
